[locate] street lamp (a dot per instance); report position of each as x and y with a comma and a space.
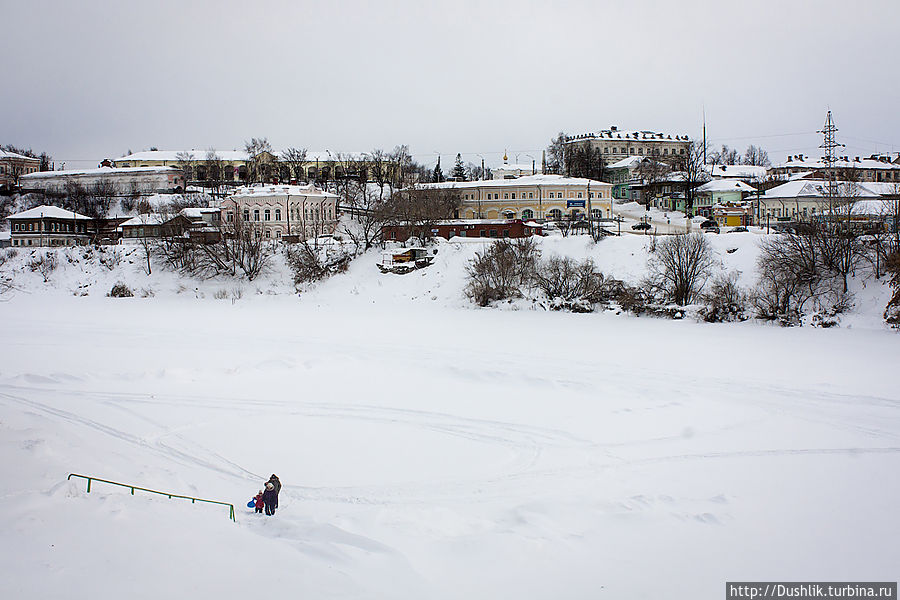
532, 163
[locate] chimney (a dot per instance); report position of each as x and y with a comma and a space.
613, 128
857, 159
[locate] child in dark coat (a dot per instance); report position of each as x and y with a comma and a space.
270, 499
259, 501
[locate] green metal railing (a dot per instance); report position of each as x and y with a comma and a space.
134, 487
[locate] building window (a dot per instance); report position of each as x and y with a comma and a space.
246, 214
256, 214
527, 214
267, 215
277, 214
579, 194
531, 194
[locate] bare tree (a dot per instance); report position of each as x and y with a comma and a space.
186, 163
556, 153
724, 156
367, 209
651, 171
418, 209
680, 267
756, 156
215, 171
295, 159
258, 164
692, 167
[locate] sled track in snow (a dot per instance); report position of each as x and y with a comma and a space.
527, 443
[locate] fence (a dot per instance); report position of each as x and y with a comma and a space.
134, 487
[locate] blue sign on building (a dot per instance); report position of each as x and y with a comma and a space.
574, 203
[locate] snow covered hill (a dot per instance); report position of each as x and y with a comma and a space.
430, 449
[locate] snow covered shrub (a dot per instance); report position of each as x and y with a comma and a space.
725, 300
120, 290
44, 263
310, 264
566, 281
680, 267
892, 310
7, 254
502, 271
221, 294
794, 280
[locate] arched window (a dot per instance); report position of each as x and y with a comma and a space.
555, 214
277, 214
268, 217
527, 214
256, 214
509, 214
246, 214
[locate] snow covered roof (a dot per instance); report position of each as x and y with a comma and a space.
528, 180
724, 185
98, 171
50, 212
614, 133
7, 154
882, 188
806, 188
280, 190
146, 219
737, 171
517, 167
197, 213
228, 155
880, 208
811, 163
626, 163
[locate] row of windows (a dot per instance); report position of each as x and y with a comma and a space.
512, 195
54, 242
554, 214
52, 226
309, 213
640, 151
25, 170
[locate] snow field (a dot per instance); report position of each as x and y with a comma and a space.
429, 449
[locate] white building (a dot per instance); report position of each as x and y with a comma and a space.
616, 144
805, 199
123, 181
276, 211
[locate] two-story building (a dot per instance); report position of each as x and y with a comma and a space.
531, 197
279, 211
13, 166
49, 226
616, 144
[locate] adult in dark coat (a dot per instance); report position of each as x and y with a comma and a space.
277, 483
270, 499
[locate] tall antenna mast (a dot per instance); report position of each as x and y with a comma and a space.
704, 134
829, 144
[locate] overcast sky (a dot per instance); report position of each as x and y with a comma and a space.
87, 80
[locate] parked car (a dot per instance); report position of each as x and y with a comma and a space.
709, 223
641, 226
711, 229
740, 229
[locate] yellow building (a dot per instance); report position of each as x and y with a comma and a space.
235, 164
532, 197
